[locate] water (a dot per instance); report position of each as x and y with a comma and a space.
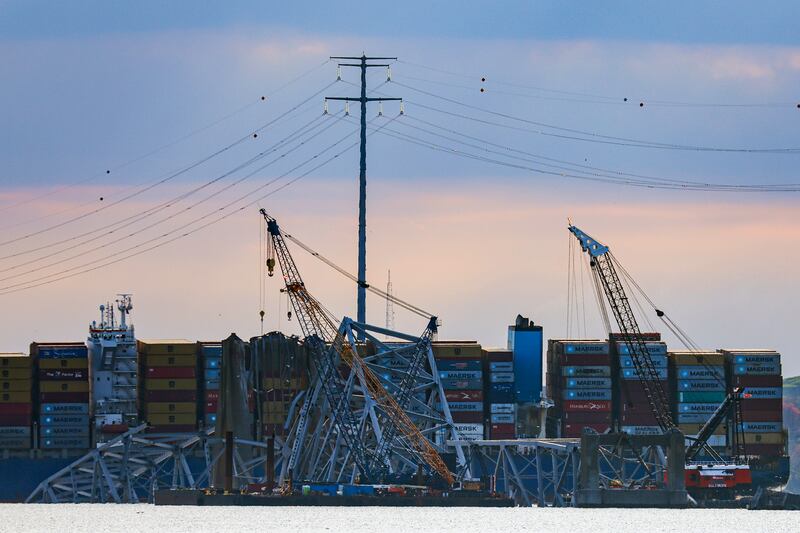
147, 518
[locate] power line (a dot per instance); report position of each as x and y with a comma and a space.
169, 177
69, 273
599, 98
168, 144
594, 137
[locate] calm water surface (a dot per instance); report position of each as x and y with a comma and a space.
132, 518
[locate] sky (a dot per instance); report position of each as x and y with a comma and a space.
106, 99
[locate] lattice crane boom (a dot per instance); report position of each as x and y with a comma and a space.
602, 264
318, 325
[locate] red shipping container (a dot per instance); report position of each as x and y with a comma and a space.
757, 381
585, 360
575, 430
583, 417
467, 417
638, 419
166, 372
500, 356
7, 419
212, 395
587, 405
762, 416
64, 397
170, 396
64, 374
16, 408
464, 395
762, 405
177, 428
211, 407
764, 449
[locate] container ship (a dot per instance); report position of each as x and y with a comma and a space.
61, 399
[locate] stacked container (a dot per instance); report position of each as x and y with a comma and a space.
635, 415
461, 374
498, 365
210, 361
169, 397
579, 382
698, 385
282, 375
758, 372
63, 395
16, 401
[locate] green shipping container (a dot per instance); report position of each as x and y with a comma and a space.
701, 397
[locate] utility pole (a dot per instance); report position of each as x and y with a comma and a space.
363, 64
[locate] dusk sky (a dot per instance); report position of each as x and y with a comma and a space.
106, 99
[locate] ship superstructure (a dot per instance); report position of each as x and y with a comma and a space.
113, 367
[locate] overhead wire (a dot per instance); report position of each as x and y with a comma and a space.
594, 137
169, 144
69, 273
169, 177
602, 98
214, 194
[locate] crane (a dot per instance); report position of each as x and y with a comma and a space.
723, 473
605, 270
328, 346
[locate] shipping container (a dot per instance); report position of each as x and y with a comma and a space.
167, 372
763, 438
694, 429
466, 406
697, 407
159, 419
632, 374
15, 360
586, 417
757, 381
47, 351
501, 366
452, 384
15, 373
696, 358
63, 364
170, 360
65, 431
502, 418
502, 408
15, 443
498, 355
172, 428
762, 393
773, 404
16, 385
64, 397
641, 430
170, 407
170, 384
167, 347
581, 347
469, 428
653, 348
587, 394
762, 427
501, 377
580, 360
716, 397
463, 417
66, 443
713, 440
65, 408
757, 369
170, 395
575, 430
587, 405
212, 362
64, 420
22, 408
700, 372
463, 395
64, 374
587, 383
64, 386
456, 350
771, 450
658, 361
456, 365
693, 418
586, 371
461, 375
700, 385
9, 419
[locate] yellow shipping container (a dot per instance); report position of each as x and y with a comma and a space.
456, 350
271, 406
170, 360
763, 438
15, 373
698, 358
63, 386
274, 418
15, 397
167, 347
167, 407
16, 385
170, 384
15, 360
694, 429
181, 419
78, 362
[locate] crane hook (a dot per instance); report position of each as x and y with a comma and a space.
289, 316
270, 266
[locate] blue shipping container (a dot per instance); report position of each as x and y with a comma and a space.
760, 359
501, 393
501, 366
653, 348
697, 407
65, 408
700, 385
589, 383
212, 362
212, 384
757, 370
456, 384
587, 371
700, 372
659, 361
693, 418
63, 352
461, 375
211, 350
630, 373
525, 341
470, 407
585, 348
501, 377
587, 394
212, 374
765, 393
64, 420
68, 443
65, 431
762, 427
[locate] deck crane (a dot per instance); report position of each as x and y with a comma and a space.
328, 346
731, 474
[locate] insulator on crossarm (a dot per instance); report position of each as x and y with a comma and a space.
380, 109
402, 109
346, 109
325, 110
389, 73
338, 72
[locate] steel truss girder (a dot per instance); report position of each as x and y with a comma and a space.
405, 366
131, 467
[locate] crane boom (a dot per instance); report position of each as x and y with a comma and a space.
318, 327
601, 262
